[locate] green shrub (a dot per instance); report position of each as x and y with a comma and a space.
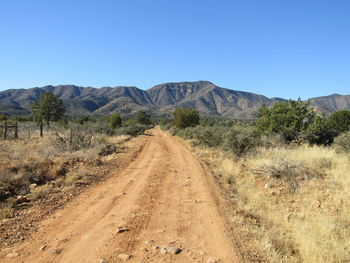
133, 130
290, 119
340, 120
83, 119
342, 142
185, 117
143, 118
241, 140
210, 136
321, 132
166, 126
173, 130
115, 120
238, 139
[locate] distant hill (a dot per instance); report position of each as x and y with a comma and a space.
204, 96
331, 103
208, 99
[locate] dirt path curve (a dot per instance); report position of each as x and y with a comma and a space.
163, 196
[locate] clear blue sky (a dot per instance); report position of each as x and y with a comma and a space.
284, 48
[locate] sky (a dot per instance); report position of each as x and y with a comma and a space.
278, 48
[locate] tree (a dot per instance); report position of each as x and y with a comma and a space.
48, 108
115, 120
340, 120
186, 117
290, 119
321, 132
142, 117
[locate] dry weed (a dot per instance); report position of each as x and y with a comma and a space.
309, 224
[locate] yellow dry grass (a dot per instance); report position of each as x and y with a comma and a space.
41, 158
309, 224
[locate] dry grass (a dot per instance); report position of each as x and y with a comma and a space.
40, 191
299, 197
35, 167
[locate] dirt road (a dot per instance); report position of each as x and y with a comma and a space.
162, 198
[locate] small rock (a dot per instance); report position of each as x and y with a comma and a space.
170, 250
101, 260
42, 247
149, 242
202, 253
122, 230
55, 251
213, 260
12, 255
124, 256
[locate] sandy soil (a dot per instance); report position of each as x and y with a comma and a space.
162, 198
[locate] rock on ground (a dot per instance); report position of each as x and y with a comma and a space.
170, 250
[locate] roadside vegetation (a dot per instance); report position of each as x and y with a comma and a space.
54, 153
287, 176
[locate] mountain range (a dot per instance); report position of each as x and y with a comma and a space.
204, 96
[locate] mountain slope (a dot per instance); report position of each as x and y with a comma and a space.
331, 103
77, 100
203, 96
208, 98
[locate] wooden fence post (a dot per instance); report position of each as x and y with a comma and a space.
41, 130
16, 130
5, 130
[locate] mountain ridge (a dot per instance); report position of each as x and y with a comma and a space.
206, 97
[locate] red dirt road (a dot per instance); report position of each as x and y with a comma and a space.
162, 198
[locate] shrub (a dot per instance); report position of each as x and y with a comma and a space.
133, 130
40, 191
241, 140
290, 119
166, 126
173, 130
186, 117
76, 137
342, 142
143, 118
210, 136
321, 132
340, 120
83, 119
115, 120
